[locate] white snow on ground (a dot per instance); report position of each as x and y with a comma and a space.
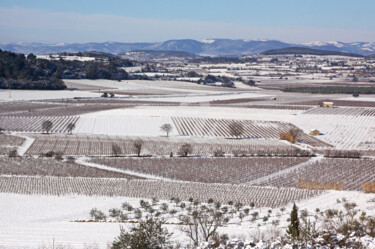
26, 145
122, 125
84, 161
360, 98
204, 112
146, 120
29, 221
204, 97
342, 131
41, 95
285, 171
152, 85
67, 58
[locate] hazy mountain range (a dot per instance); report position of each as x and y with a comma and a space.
210, 47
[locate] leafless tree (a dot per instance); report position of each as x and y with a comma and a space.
116, 149
202, 223
138, 146
236, 129
167, 128
185, 149
70, 127
47, 126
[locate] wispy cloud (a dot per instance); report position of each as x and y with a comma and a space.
26, 25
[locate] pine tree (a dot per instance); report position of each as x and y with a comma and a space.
293, 228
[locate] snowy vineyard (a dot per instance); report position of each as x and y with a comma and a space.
350, 111
342, 131
102, 145
34, 124
206, 127
28, 166
260, 196
8, 142
207, 170
353, 173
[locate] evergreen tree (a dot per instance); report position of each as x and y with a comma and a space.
148, 234
293, 228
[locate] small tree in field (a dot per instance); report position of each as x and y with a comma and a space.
167, 128
236, 129
47, 126
70, 127
185, 149
116, 150
138, 146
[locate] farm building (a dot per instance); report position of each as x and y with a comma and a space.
314, 132
327, 105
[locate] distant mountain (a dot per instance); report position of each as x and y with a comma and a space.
210, 47
310, 51
363, 48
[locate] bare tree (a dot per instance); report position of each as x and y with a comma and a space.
185, 149
167, 128
70, 127
236, 129
116, 149
47, 126
138, 146
202, 223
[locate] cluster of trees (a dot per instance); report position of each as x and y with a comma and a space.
18, 71
226, 82
338, 228
332, 90
331, 228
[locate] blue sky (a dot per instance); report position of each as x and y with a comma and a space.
158, 20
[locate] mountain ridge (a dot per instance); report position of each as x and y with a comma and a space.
310, 51
207, 47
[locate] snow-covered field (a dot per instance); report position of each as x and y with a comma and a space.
360, 98
342, 131
149, 85
43, 95
146, 120
123, 125
30, 221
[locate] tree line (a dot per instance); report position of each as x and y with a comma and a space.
18, 71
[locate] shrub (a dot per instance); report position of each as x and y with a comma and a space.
369, 187
59, 155
219, 153
315, 185
13, 153
97, 215
49, 153
290, 136
185, 149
